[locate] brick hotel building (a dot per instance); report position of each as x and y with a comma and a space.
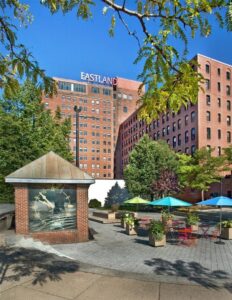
206, 124
104, 108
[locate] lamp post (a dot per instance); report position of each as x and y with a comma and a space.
77, 111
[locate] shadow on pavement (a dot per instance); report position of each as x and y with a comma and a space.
193, 271
18, 263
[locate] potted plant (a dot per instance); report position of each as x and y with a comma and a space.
226, 230
192, 221
124, 218
157, 235
166, 217
131, 225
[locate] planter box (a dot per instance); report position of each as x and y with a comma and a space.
104, 215
226, 233
131, 230
123, 224
194, 227
153, 242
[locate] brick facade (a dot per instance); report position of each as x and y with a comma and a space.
52, 237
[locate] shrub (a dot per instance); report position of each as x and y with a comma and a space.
157, 229
94, 203
192, 219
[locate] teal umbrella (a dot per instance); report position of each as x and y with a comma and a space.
169, 201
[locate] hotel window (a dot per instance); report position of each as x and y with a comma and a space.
163, 119
219, 102
154, 136
207, 68
228, 120
179, 140
158, 135
219, 151
187, 150
186, 136
219, 87
174, 126
228, 136
186, 120
193, 134
228, 75
219, 72
193, 149
157, 123
208, 116
163, 132
208, 100
174, 142
81, 88
179, 124
64, 86
219, 118
167, 117
95, 90
228, 105
106, 92
207, 84
208, 133
208, 147
168, 142
125, 109
193, 115
228, 90
219, 134
168, 129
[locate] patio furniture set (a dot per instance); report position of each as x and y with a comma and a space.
187, 235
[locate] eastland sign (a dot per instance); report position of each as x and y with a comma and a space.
98, 78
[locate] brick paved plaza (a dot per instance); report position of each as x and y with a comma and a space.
113, 249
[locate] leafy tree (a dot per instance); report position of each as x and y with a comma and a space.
170, 78
94, 203
146, 161
116, 195
201, 170
166, 184
28, 131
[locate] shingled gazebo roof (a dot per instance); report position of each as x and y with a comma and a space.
50, 168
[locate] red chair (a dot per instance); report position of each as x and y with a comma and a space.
184, 234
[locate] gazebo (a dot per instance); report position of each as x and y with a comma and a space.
51, 200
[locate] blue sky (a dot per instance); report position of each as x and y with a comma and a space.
65, 46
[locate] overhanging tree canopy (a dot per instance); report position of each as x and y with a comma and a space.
170, 78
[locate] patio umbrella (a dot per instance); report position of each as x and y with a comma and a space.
169, 201
137, 201
218, 201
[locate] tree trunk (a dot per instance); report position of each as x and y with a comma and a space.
202, 195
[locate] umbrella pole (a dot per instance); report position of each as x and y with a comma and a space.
220, 228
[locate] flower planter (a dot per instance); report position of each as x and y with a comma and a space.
226, 233
131, 230
194, 227
153, 242
123, 223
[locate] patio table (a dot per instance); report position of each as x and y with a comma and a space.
204, 230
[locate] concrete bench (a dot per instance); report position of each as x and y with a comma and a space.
104, 215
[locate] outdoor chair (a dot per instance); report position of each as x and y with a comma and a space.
214, 234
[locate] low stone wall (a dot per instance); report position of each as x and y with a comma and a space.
104, 215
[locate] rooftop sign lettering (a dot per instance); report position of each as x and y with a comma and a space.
98, 78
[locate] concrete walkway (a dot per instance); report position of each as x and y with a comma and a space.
207, 262
32, 274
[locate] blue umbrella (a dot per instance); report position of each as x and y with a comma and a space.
218, 201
